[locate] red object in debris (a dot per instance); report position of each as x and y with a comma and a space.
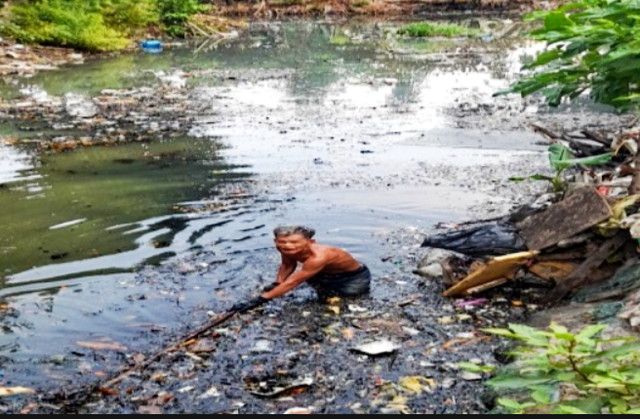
604, 190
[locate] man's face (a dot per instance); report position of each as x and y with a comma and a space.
292, 245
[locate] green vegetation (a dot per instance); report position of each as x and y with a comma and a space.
426, 29
593, 46
95, 25
560, 372
174, 14
561, 159
361, 3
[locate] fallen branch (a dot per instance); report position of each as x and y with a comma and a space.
172, 348
199, 29
547, 132
597, 137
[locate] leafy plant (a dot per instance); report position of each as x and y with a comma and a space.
426, 29
175, 14
593, 46
561, 372
92, 25
561, 159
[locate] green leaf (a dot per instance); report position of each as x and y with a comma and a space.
534, 177
586, 335
633, 412
530, 335
621, 351
592, 405
510, 404
543, 397
619, 406
468, 366
586, 161
615, 387
516, 383
556, 328
570, 410
558, 20
559, 152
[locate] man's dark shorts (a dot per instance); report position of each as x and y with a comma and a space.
348, 284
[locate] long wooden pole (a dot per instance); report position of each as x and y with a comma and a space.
144, 365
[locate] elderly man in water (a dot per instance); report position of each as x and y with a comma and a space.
330, 271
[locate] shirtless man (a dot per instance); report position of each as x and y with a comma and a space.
330, 271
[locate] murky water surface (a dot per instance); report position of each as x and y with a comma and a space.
368, 138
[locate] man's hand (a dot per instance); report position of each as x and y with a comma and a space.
249, 305
271, 287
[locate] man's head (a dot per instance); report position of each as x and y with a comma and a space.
293, 240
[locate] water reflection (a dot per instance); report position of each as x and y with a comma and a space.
59, 223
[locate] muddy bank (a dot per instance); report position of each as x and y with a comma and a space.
372, 142
379, 8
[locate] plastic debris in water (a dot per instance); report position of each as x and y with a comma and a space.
262, 347
377, 348
151, 46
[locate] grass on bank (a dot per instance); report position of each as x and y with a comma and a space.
427, 29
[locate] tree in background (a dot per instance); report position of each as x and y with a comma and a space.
174, 14
594, 48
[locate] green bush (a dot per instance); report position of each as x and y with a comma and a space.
592, 46
91, 25
426, 29
174, 14
95, 25
557, 371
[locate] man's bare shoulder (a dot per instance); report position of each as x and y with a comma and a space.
329, 252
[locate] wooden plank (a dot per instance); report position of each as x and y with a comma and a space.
497, 268
581, 275
487, 287
583, 209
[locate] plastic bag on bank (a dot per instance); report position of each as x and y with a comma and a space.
495, 239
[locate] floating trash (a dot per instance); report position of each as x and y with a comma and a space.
151, 46
377, 348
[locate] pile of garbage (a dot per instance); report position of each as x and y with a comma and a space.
21, 60
581, 238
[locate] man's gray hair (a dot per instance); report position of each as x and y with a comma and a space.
307, 233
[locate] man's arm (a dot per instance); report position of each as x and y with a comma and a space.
310, 268
287, 268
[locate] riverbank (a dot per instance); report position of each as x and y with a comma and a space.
373, 142
24, 61
407, 9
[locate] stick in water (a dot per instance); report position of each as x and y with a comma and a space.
144, 365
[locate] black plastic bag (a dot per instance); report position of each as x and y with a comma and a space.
484, 240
